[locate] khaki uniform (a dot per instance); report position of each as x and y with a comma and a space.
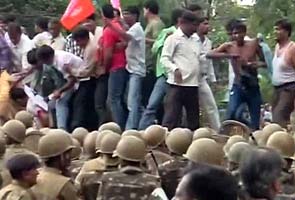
170, 173
160, 158
14, 149
92, 182
75, 168
288, 182
11, 151
89, 167
52, 185
126, 184
16, 191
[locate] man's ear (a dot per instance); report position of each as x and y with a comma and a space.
277, 186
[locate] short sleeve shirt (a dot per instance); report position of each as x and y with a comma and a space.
109, 39
152, 31
135, 51
63, 60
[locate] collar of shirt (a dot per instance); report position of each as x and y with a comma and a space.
60, 36
21, 184
130, 169
180, 33
52, 170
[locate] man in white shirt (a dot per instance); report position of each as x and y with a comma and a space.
180, 56
43, 37
83, 105
206, 97
20, 45
61, 65
57, 41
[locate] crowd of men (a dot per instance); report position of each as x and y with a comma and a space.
102, 88
125, 74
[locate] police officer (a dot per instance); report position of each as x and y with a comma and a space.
15, 132
25, 117
231, 141
5, 177
55, 151
177, 141
91, 180
154, 136
284, 144
203, 132
268, 130
130, 182
206, 151
23, 169
93, 165
235, 155
76, 163
80, 133
32, 139
112, 126
89, 145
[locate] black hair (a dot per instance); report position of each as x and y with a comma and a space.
45, 52
202, 19
54, 21
9, 18
285, 24
117, 11
21, 163
240, 27
32, 57
208, 182
17, 93
92, 17
80, 33
188, 16
2, 18
175, 15
108, 11
259, 169
231, 23
152, 6
14, 27
42, 22
134, 10
194, 7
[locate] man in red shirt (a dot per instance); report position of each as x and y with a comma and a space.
114, 62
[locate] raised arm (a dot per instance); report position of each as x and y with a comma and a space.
221, 52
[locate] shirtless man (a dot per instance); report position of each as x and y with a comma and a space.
244, 58
283, 77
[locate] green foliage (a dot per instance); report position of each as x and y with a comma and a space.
34, 6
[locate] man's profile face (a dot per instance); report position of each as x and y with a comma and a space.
204, 27
280, 32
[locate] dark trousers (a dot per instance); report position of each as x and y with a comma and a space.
176, 98
84, 114
250, 96
283, 103
100, 99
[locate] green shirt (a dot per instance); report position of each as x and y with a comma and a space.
152, 31
158, 46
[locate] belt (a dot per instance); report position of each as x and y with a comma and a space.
285, 85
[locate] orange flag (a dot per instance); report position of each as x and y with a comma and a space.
77, 11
